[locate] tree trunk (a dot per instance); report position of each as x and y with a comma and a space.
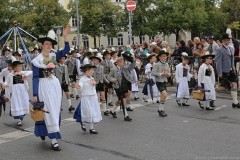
95, 41
177, 34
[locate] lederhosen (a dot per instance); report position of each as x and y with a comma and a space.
230, 76
99, 86
73, 77
161, 85
123, 88
64, 85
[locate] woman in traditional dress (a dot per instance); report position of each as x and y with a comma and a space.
88, 110
148, 70
47, 88
182, 78
18, 86
206, 80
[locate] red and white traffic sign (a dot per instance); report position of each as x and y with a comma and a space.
131, 5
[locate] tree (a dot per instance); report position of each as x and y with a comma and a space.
176, 15
99, 17
39, 16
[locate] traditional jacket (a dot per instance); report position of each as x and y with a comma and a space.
62, 70
73, 66
157, 70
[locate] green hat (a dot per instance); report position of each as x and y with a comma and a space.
162, 52
88, 66
225, 36
185, 56
127, 56
105, 53
207, 55
9, 62
16, 63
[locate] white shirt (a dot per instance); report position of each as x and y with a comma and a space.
87, 88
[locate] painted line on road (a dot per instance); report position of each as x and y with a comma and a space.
221, 107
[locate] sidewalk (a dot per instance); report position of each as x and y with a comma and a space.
172, 89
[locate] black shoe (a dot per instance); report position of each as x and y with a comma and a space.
136, 98
127, 118
106, 113
113, 114
178, 102
71, 95
56, 148
77, 97
162, 113
212, 103
111, 104
71, 108
19, 123
200, 105
158, 101
42, 138
145, 100
236, 105
185, 104
93, 131
209, 108
83, 127
129, 109
61, 109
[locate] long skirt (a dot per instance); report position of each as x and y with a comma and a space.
182, 89
208, 85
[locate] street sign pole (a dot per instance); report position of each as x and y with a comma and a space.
130, 26
78, 27
59, 32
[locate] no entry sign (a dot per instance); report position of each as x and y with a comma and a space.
131, 5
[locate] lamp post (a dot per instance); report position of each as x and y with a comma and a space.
78, 26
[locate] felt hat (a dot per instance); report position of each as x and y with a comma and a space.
5, 49
211, 37
88, 54
150, 57
9, 62
16, 63
87, 66
127, 56
185, 56
207, 54
225, 36
50, 37
105, 53
113, 52
73, 51
96, 57
16, 53
162, 52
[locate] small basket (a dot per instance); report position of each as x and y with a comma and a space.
198, 94
5, 98
37, 115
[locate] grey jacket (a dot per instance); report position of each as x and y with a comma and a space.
224, 60
98, 74
71, 63
115, 73
59, 74
157, 70
107, 67
214, 48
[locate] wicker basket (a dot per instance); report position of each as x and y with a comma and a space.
198, 94
5, 98
37, 115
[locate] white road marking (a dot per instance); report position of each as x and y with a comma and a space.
218, 108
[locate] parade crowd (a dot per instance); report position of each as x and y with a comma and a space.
92, 76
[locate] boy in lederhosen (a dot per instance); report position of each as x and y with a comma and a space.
120, 76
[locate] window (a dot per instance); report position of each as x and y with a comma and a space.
120, 39
85, 41
142, 39
132, 40
151, 37
110, 41
118, 0
74, 22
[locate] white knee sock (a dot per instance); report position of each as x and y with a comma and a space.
54, 140
179, 100
69, 101
126, 114
75, 90
91, 125
158, 98
161, 106
104, 107
184, 101
115, 107
135, 94
109, 97
207, 103
234, 97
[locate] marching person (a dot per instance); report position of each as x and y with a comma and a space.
206, 80
182, 78
100, 79
226, 69
5, 56
161, 71
18, 86
114, 57
108, 66
148, 71
47, 88
120, 76
86, 59
213, 46
88, 110
63, 77
73, 65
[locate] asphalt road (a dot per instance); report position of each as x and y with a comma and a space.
187, 133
